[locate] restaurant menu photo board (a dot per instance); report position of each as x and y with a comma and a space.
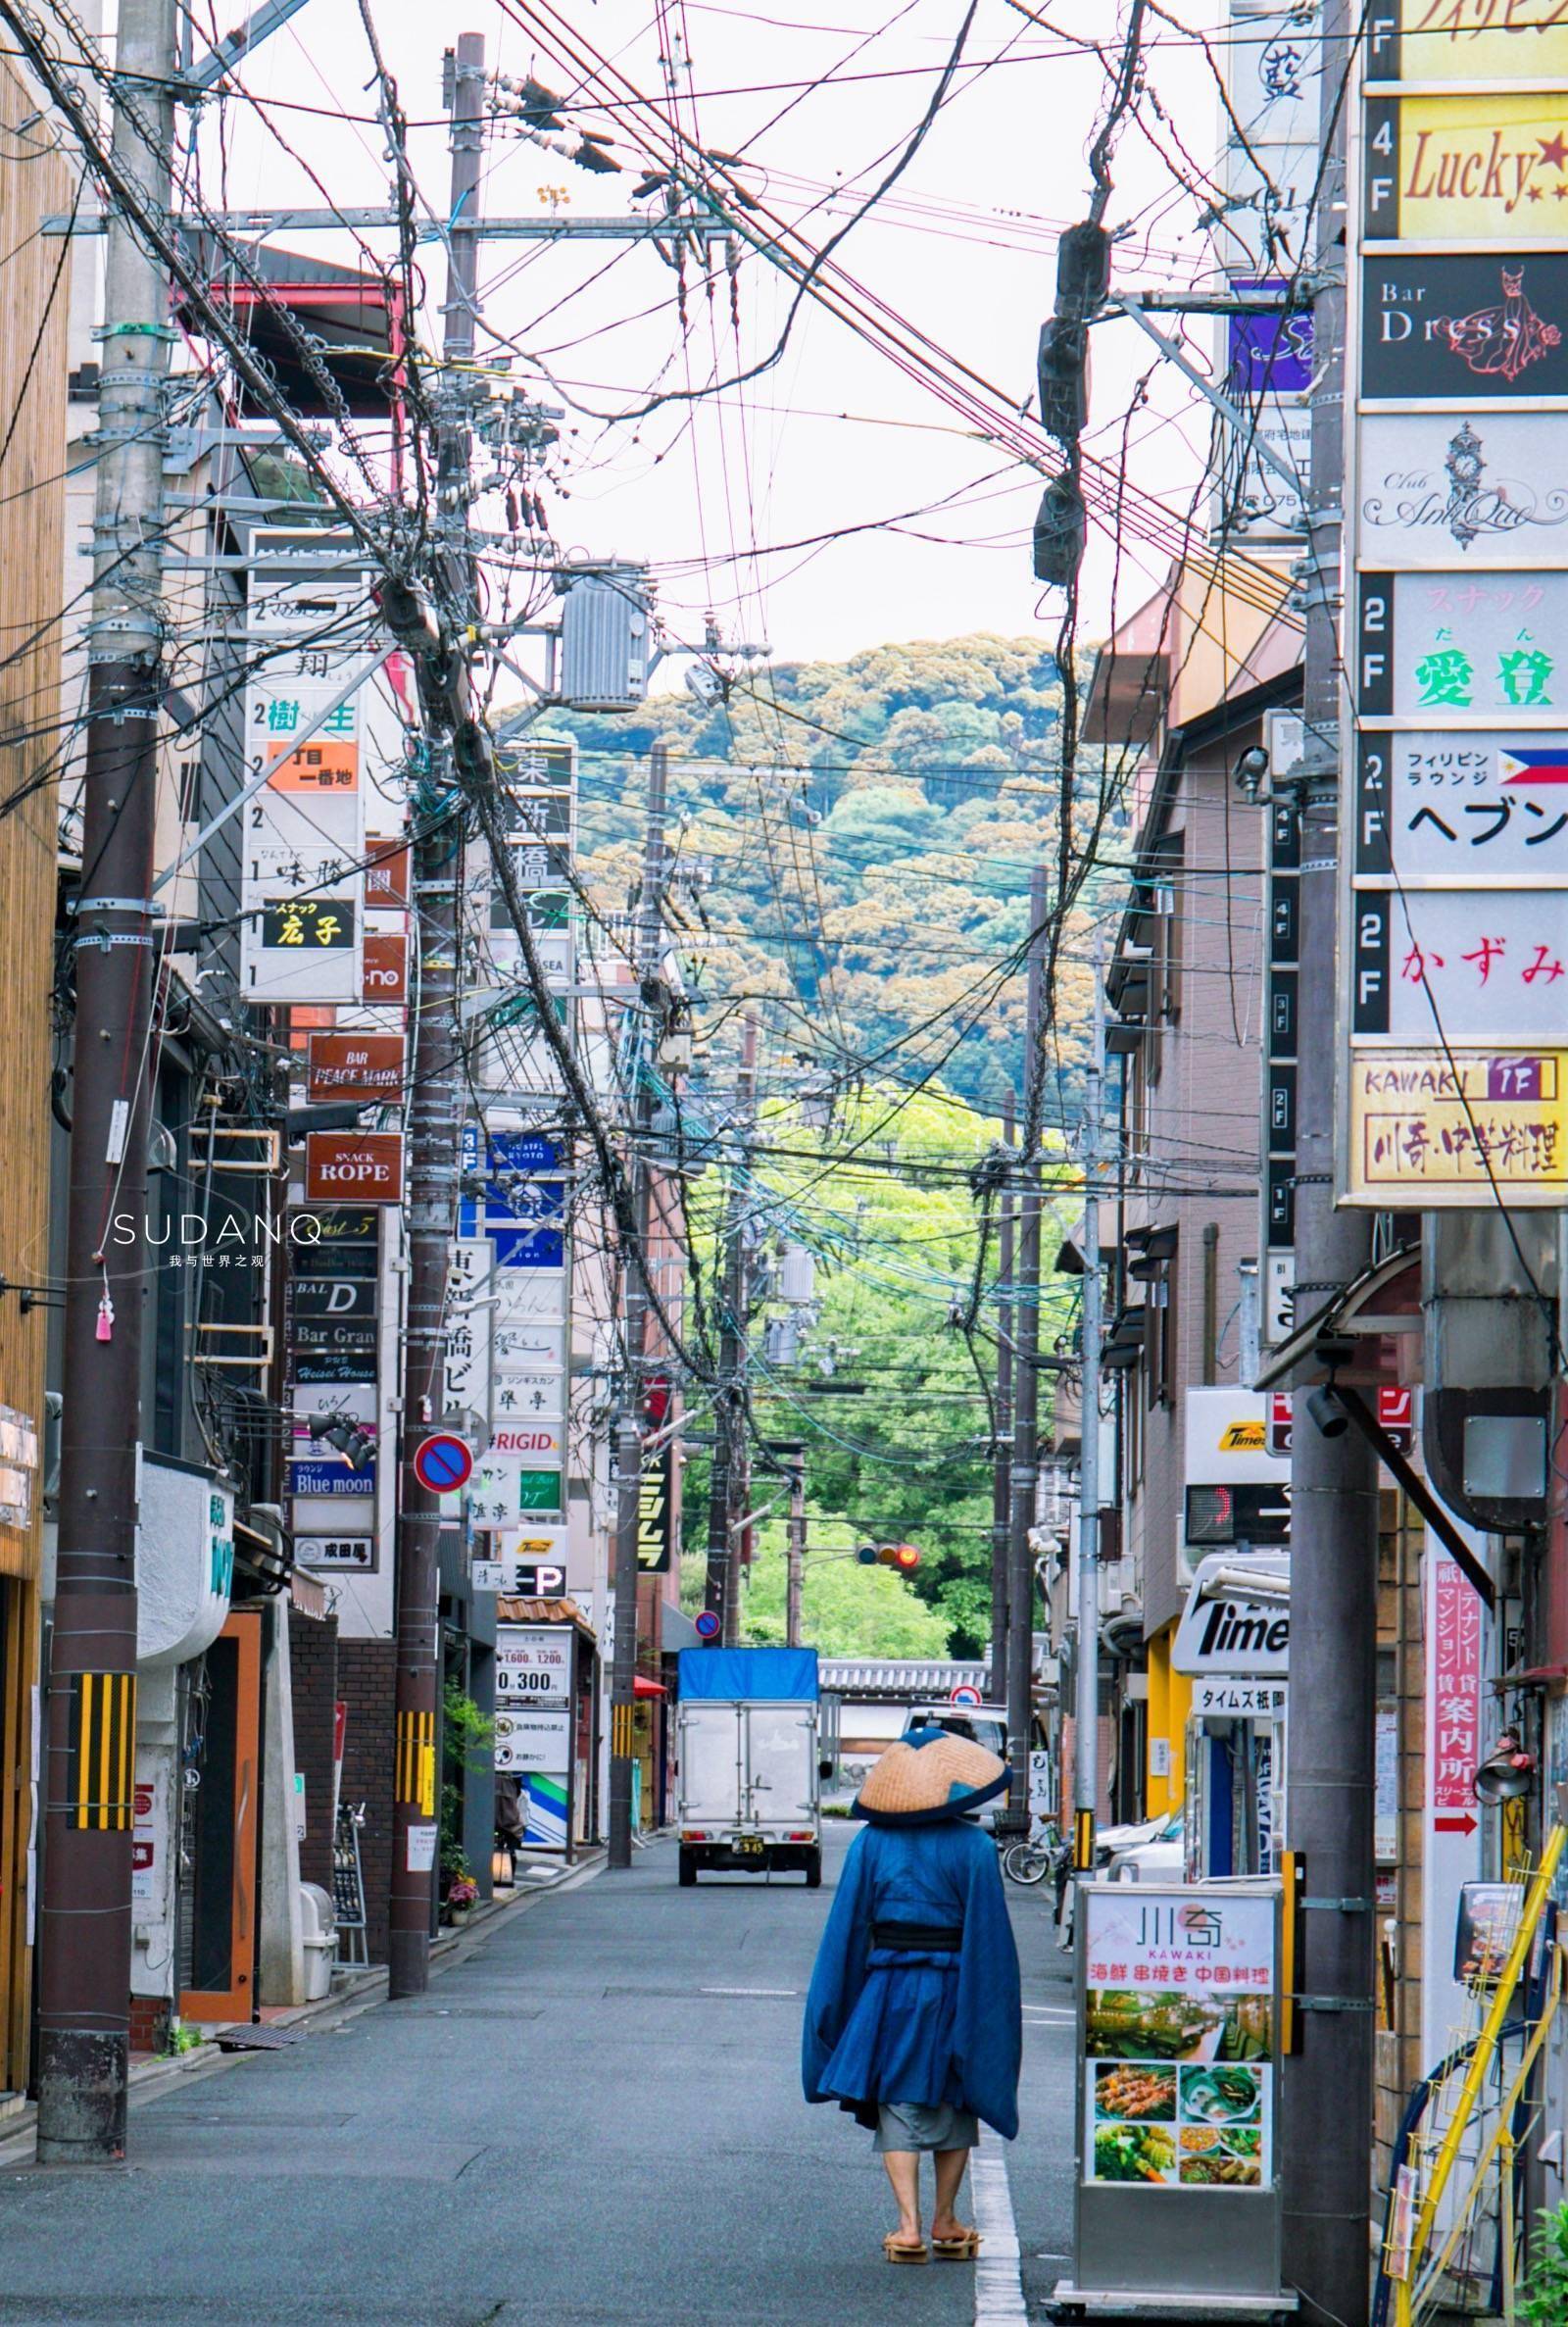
1179, 2038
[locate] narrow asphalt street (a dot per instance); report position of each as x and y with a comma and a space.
595, 2116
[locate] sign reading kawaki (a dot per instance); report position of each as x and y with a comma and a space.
1455, 761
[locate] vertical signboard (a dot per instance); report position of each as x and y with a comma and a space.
1451, 1852
1280, 1040
1178, 2179
1456, 778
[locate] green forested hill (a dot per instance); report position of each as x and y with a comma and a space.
864, 834
868, 828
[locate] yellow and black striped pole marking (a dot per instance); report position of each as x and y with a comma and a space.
622, 1733
1083, 1840
415, 1763
103, 1751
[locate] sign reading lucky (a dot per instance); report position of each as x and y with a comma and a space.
1466, 169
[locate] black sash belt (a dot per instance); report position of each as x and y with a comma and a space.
926, 1939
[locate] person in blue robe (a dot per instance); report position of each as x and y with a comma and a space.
912, 2020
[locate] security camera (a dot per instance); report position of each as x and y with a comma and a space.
1251, 770
1327, 1413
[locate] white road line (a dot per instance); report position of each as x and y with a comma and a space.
748, 1991
998, 2279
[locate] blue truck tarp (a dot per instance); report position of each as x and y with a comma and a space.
765, 1676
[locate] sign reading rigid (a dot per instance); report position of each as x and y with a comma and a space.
366, 1166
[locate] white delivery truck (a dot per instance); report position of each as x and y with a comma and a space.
749, 1733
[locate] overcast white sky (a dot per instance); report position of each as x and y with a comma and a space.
963, 250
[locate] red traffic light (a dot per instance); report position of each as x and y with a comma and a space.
898, 1555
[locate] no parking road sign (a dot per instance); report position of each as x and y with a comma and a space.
442, 1464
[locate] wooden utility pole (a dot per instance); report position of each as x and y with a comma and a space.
795, 1577
1086, 1568
629, 1434
1025, 1466
1001, 1441
84, 1920
435, 1117
1326, 2092
721, 1590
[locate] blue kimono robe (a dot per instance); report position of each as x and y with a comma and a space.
884, 2024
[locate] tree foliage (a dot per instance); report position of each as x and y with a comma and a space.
869, 829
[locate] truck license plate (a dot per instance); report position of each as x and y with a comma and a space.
749, 1845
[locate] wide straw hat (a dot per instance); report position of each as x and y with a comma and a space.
929, 1775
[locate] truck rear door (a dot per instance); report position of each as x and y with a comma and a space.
781, 1766
712, 1763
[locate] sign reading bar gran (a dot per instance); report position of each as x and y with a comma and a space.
1177, 2184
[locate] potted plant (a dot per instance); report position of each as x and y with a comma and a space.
469, 1738
1545, 2292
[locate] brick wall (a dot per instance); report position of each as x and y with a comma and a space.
366, 1671
313, 1658
149, 2023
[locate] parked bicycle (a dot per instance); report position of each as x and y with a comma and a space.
1031, 1861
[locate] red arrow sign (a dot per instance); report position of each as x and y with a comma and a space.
1464, 1825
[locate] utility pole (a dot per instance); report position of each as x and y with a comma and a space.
1026, 1408
796, 1554
721, 1589
1327, 2085
650, 946
1000, 1447
1086, 1638
435, 1116
84, 1921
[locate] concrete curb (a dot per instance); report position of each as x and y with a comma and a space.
360, 1992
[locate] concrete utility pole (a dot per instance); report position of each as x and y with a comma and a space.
1025, 1468
722, 1588
1327, 2087
85, 1920
796, 1576
1002, 1449
1086, 1638
435, 1121
629, 1434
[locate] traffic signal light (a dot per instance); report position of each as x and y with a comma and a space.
902, 1556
